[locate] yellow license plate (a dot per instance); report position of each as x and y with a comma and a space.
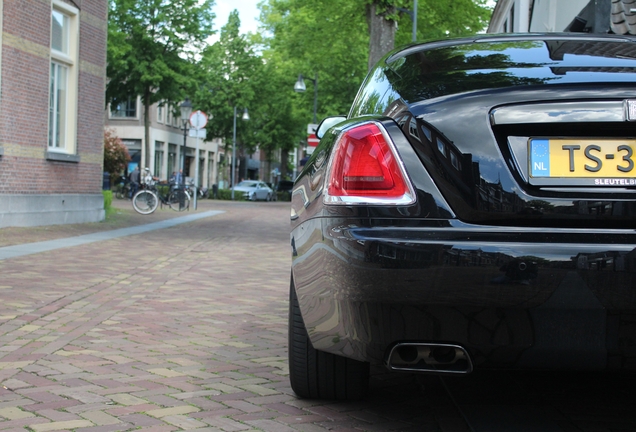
600, 158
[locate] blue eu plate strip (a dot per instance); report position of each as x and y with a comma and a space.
540, 158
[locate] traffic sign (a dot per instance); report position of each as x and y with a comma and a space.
198, 119
196, 133
312, 140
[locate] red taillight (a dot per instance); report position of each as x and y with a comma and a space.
364, 166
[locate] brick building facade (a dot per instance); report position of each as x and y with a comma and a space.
52, 81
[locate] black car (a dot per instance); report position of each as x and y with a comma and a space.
475, 209
285, 186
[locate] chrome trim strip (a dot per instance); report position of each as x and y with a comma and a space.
564, 112
630, 110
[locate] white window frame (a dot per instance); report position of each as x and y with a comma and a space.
158, 162
70, 62
137, 100
169, 115
160, 110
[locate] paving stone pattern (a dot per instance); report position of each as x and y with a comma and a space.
182, 328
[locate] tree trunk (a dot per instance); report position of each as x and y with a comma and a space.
284, 158
381, 33
146, 98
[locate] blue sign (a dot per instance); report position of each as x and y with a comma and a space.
540, 158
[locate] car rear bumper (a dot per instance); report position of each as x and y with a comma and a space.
512, 298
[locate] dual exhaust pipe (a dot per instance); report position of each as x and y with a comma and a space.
429, 357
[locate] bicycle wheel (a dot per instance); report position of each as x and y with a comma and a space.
145, 202
179, 200
119, 192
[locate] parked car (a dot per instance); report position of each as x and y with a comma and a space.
284, 189
476, 209
254, 190
285, 186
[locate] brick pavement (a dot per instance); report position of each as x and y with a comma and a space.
182, 328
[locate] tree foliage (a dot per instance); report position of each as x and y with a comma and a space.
331, 39
229, 69
441, 19
276, 124
152, 44
320, 39
116, 154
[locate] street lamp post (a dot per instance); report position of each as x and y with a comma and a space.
186, 110
414, 18
413, 15
245, 117
300, 87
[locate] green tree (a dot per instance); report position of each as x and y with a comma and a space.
227, 76
324, 39
442, 19
390, 23
382, 17
151, 47
276, 126
338, 40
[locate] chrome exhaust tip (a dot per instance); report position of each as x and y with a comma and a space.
429, 357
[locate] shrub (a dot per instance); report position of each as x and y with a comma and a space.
163, 189
283, 196
116, 154
226, 194
108, 200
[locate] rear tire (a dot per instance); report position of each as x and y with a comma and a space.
145, 202
119, 192
316, 374
179, 200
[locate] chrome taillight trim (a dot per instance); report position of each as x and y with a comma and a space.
406, 199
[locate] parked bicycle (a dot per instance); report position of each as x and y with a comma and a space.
122, 188
148, 199
200, 191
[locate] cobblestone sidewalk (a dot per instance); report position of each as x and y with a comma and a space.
122, 216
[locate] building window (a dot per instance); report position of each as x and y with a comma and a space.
57, 105
427, 133
169, 115
413, 129
512, 19
159, 113
441, 147
158, 159
63, 77
125, 109
172, 161
455, 161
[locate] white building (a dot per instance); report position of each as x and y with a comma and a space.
591, 16
167, 143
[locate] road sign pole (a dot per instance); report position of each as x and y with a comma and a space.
198, 120
196, 174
